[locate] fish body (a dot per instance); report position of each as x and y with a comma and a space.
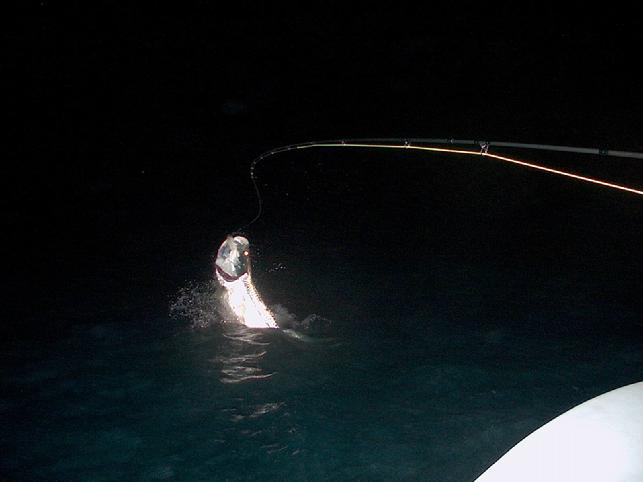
232, 268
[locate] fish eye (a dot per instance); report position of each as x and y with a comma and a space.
246, 253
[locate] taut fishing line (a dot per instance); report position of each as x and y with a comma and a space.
417, 144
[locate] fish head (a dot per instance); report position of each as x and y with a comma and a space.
233, 258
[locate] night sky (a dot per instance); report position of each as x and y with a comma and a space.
129, 126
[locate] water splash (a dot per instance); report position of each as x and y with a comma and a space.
312, 325
202, 305
199, 304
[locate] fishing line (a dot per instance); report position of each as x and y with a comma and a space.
396, 143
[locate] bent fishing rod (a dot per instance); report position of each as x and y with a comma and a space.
431, 145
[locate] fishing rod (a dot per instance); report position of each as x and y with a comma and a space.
429, 144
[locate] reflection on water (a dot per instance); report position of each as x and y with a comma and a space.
242, 355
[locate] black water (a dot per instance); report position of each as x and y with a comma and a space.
463, 303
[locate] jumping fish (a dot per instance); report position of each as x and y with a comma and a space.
232, 268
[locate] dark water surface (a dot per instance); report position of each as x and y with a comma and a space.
462, 309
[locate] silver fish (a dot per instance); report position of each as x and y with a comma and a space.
232, 268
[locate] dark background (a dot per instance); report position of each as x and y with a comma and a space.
130, 131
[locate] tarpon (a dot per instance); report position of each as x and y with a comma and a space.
232, 269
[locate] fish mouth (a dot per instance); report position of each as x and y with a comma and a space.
233, 258
227, 277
